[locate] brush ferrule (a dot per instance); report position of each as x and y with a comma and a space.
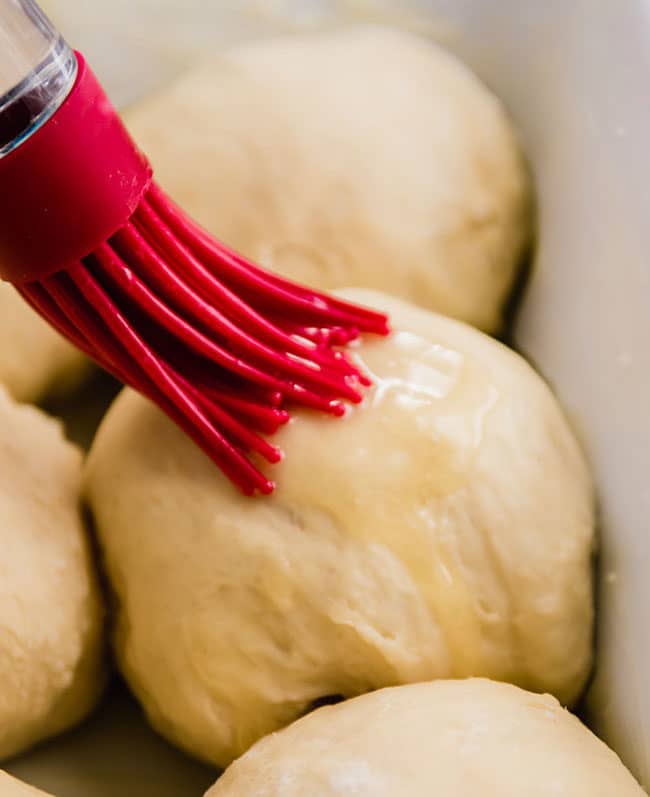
69, 186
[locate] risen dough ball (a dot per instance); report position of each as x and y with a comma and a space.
442, 739
50, 618
367, 157
10, 787
443, 529
35, 361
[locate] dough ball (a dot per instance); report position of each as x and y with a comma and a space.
367, 157
444, 529
11, 787
447, 738
51, 648
35, 361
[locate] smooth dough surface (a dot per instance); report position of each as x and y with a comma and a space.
51, 668
444, 529
35, 361
367, 157
11, 787
447, 738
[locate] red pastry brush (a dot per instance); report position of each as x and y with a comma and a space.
221, 345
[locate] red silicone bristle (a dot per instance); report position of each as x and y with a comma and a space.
218, 343
216, 318
262, 287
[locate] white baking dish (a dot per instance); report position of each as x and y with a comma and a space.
574, 76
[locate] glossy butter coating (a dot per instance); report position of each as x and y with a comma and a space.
443, 529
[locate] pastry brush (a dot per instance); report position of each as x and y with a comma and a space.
224, 347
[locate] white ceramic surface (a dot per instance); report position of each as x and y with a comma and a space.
575, 77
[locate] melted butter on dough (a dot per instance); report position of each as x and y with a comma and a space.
444, 528
444, 398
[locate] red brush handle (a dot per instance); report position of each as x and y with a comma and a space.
69, 186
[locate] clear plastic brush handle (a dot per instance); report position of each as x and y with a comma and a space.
37, 71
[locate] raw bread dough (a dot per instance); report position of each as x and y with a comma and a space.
11, 787
444, 529
367, 157
51, 670
35, 361
447, 738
